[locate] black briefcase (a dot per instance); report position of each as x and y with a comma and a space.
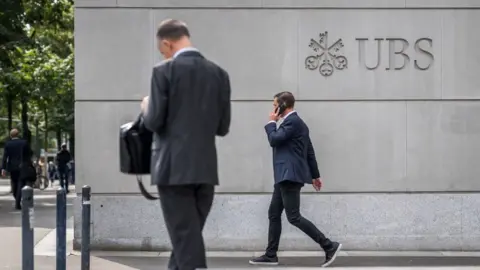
136, 152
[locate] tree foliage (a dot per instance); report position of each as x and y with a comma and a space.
37, 63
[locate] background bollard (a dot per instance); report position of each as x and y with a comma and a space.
61, 229
27, 228
86, 194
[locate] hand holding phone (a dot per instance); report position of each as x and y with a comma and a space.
274, 116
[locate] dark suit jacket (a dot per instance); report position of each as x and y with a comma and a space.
189, 105
63, 158
12, 154
293, 154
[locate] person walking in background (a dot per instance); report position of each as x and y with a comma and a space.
63, 158
294, 164
189, 104
12, 159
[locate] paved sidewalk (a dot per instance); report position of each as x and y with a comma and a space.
155, 263
10, 225
45, 240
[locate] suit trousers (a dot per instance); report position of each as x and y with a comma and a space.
17, 185
185, 209
63, 177
286, 195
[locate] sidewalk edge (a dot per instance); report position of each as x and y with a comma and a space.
243, 254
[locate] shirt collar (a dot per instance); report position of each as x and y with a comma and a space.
187, 49
285, 117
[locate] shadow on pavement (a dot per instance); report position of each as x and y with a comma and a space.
150, 263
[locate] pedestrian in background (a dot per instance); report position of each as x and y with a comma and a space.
12, 159
63, 158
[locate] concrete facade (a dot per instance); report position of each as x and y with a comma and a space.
391, 112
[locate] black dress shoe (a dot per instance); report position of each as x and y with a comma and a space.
331, 254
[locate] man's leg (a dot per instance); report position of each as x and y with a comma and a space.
274, 230
275, 211
291, 200
14, 186
14, 178
204, 197
179, 207
61, 178
18, 188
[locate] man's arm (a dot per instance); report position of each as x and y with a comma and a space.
5, 158
312, 160
225, 117
154, 117
278, 136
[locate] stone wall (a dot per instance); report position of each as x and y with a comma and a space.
391, 112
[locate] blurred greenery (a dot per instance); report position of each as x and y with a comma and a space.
37, 70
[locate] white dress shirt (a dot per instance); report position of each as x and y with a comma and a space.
280, 121
187, 49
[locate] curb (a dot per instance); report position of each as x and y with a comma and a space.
249, 254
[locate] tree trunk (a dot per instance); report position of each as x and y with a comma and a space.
10, 111
45, 140
37, 139
26, 132
72, 143
59, 138
45, 137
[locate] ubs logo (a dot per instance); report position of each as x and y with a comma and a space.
327, 58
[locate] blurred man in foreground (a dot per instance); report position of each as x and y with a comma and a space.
189, 104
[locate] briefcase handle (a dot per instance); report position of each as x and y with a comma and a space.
144, 191
139, 123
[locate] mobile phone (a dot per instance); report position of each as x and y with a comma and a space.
281, 108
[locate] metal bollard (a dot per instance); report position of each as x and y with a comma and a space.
61, 229
86, 194
27, 228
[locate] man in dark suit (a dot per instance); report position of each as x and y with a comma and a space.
294, 165
12, 159
63, 158
189, 104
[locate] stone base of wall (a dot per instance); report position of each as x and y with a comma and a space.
240, 223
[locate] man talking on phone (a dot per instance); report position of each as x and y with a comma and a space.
294, 164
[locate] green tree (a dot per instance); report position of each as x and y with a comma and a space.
36, 61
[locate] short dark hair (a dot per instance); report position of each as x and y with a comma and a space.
286, 97
172, 29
